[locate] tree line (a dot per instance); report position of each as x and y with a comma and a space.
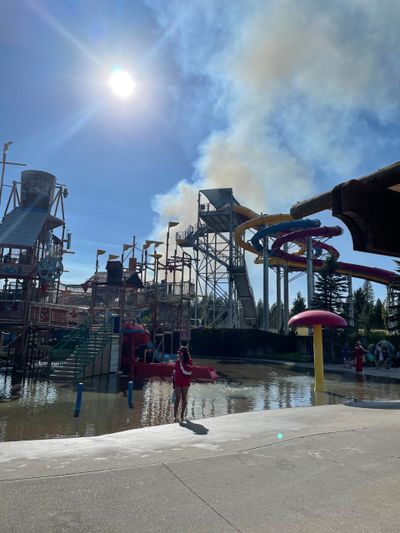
331, 293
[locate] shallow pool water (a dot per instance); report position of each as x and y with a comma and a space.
38, 409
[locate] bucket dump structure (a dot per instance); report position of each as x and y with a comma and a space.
33, 240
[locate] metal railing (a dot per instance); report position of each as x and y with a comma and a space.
83, 344
66, 346
182, 235
88, 351
5, 350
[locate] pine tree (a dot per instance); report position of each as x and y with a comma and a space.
260, 314
368, 291
368, 307
298, 305
363, 304
330, 288
359, 301
273, 317
377, 315
330, 292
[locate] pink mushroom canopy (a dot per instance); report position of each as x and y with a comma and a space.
314, 317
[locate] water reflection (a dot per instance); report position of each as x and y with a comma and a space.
31, 409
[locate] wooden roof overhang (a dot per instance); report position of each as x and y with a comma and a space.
369, 206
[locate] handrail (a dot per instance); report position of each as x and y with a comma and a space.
6, 349
80, 343
82, 328
101, 338
7, 346
66, 342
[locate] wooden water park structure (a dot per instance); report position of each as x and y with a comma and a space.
33, 241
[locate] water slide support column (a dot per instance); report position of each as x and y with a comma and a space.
351, 302
392, 322
196, 259
285, 294
265, 285
310, 273
278, 300
230, 279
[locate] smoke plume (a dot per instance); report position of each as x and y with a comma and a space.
297, 95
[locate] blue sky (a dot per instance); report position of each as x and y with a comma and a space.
278, 99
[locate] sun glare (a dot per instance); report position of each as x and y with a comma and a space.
121, 83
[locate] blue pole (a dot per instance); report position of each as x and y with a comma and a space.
130, 394
78, 400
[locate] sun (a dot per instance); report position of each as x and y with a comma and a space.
121, 83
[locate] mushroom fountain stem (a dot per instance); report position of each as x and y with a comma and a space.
318, 357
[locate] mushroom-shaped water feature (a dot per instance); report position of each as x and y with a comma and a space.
317, 319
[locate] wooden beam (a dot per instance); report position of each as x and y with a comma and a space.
314, 205
385, 177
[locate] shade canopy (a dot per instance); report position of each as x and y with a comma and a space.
314, 317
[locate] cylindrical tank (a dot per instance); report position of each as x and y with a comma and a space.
37, 189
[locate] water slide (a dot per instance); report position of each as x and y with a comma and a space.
284, 229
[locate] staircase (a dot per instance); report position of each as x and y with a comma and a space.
244, 293
71, 356
190, 238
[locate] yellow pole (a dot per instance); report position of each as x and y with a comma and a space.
318, 357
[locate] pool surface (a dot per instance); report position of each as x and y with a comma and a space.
38, 409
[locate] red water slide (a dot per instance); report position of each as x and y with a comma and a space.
378, 275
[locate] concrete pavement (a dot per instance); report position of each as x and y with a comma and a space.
329, 468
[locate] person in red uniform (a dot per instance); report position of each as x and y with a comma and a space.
359, 352
182, 378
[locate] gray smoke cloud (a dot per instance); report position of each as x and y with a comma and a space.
298, 95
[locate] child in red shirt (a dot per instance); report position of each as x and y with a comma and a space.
181, 380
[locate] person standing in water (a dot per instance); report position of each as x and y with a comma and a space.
346, 351
182, 379
359, 352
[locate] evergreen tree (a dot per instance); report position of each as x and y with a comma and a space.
368, 307
359, 301
330, 288
363, 303
368, 292
330, 292
298, 305
260, 314
273, 317
385, 313
377, 315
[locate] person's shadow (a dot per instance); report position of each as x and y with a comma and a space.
198, 429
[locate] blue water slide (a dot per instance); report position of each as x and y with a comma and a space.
282, 227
